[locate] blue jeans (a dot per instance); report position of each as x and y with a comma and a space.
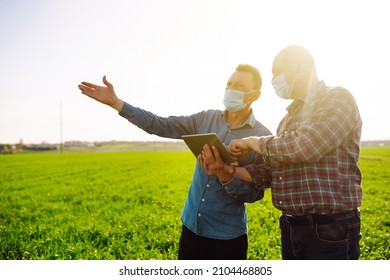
311, 240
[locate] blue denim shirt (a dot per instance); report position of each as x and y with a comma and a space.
211, 209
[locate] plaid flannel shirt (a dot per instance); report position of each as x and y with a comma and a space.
312, 163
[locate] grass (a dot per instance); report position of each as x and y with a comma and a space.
375, 165
127, 205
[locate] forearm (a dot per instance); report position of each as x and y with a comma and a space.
240, 147
240, 173
253, 143
243, 191
243, 174
261, 174
168, 127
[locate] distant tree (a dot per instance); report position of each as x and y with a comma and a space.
5, 149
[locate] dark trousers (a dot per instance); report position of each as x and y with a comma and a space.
336, 238
195, 247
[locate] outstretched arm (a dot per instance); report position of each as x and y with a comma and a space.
103, 94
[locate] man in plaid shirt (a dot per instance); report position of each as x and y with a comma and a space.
311, 165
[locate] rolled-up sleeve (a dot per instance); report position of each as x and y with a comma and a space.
261, 175
243, 191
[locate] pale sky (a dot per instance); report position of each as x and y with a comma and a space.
175, 57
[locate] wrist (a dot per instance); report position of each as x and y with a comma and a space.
227, 176
118, 104
223, 183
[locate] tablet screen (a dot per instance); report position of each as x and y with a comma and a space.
196, 142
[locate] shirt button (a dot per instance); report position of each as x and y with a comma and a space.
280, 178
207, 185
203, 199
280, 202
199, 214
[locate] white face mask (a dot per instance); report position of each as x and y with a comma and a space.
282, 88
234, 100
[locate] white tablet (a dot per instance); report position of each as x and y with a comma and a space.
196, 142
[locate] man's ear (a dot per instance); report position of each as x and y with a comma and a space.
252, 96
256, 95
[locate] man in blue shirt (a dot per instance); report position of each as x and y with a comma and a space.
214, 215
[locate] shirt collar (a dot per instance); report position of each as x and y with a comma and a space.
317, 89
251, 120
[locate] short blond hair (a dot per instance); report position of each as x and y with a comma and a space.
258, 82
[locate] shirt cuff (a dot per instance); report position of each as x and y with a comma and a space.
231, 184
263, 146
126, 110
226, 183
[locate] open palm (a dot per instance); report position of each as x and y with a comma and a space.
104, 94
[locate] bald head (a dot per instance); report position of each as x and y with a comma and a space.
297, 64
296, 57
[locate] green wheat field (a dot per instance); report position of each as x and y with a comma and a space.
127, 206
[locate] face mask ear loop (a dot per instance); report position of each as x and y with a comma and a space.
249, 93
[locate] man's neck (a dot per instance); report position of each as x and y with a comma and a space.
237, 119
304, 91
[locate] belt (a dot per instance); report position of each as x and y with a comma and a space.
311, 219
